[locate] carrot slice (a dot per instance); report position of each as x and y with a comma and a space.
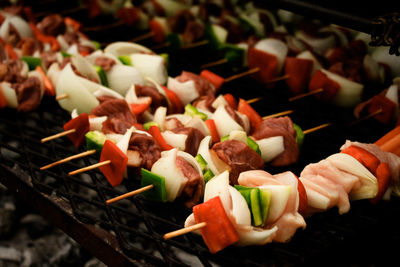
213, 78
254, 118
231, 100
213, 130
156, 133
48, 86
115, 170
299, 72
81, 126
219, 231
392, 145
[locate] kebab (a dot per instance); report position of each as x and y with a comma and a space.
274, 201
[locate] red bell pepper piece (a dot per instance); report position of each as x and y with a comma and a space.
3, 101
55, 46
48, 86
11, 53
219, 231
388, 108
366, 158
266, 63
254, 118
320, 80
299, 72
383, 175
156, 133
158, 31
81, 126
138, 109
213, 78
393, 133
115, 170
177, 106
213, 130
231, 100
139, 126
73, 23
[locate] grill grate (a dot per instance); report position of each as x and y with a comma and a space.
139, 224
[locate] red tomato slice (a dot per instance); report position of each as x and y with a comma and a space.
299, 71
266, 63
320, 80
213, 78
156, 133
388, 108
219, 231
213, 130
115, 170
254, 118
231, 101
81, 126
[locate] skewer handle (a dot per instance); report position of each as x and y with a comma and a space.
91, 167
185, 230
57, 135
132, 193
80, 155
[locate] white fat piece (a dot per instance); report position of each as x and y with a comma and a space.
174, 178
152, 66
186, 91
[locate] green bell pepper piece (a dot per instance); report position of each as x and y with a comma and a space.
126, 60
95, 140
102, 75
32, 62
158, 192
193, 112
147, 125
253, 145
299, 134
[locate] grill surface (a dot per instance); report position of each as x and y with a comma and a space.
364, 236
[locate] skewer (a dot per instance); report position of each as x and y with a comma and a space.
142, 37
306, 94
91, 167
278, 114
63, 96
103, 27
80, 155
193, 45
253, 100
129, 194
379, 111
215, 63
185, 230
317, 128
240, 75
55, 136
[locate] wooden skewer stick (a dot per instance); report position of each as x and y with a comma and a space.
129, 194
91, 167
57, 135
253, 100
185, 230
142, 37
193, 45
103, 27
277, 79
215, 63
240, 75
63, 96
278, 114
306, 94
77, 156
317, 128
159, 46
379, 111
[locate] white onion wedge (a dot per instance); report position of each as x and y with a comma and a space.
152, 66
381, 54
121, 77
175, 140
125, 48
279, 199
224, 122
9, 94
192, 161
123, 143
96, 123
134, 158
219, 186
166, 167
214, 163
219, 101
308, 55
369, 184
240, 209
113, 137
97, 89
21, 26
393, 93
84, 67
79, 97
238, 135
274, 47
159, 116
319, 45
186, 91
271, 147
53, 73
198, 124
255, 236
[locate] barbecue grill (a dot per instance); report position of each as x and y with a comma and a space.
130, 232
